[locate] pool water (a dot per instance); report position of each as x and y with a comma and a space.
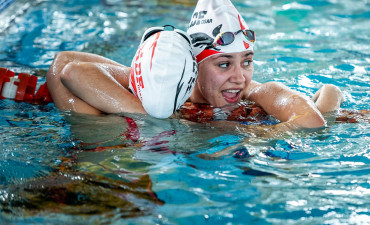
61, 167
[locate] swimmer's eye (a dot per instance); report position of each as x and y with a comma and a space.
224, 65
248, 62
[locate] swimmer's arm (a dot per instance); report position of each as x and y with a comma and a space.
88, 83
293, 108
97, 87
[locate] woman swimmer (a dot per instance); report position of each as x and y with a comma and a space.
88, 83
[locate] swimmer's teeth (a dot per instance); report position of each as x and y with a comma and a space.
232, 91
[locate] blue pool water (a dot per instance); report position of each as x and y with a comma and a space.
51, 170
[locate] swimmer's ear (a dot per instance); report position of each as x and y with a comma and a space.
217, 30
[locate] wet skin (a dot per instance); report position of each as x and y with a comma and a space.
223, 78
226, 79
96, 84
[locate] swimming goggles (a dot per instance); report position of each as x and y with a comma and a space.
149, 32
227, 38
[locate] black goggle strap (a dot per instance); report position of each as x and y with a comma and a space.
155, 30
150, 32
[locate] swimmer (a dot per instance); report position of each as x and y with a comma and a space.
161, 78
224, 51
223, 46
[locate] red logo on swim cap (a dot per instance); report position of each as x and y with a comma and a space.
132, 77
246, 45
242, 27
153, 46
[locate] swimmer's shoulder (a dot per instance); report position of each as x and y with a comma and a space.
259, 91
252, 87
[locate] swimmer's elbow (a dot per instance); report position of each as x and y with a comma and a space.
70, 72
66, 55
63, 58
317, 121
60, 61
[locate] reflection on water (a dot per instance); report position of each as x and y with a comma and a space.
62, 167
76, 193
85, 166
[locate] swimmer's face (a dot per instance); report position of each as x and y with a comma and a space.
223, 78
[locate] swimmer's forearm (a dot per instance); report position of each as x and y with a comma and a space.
287, 106
301, 113
98, 88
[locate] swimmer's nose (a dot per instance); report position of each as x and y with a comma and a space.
237, 75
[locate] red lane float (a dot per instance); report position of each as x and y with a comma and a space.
22, 88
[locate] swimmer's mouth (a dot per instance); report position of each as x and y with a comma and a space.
231, 96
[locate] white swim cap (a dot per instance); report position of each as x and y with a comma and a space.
163, 71
213, 19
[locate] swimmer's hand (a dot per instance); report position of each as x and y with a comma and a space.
328, 98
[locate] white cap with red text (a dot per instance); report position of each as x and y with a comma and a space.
163, 71
212, 18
